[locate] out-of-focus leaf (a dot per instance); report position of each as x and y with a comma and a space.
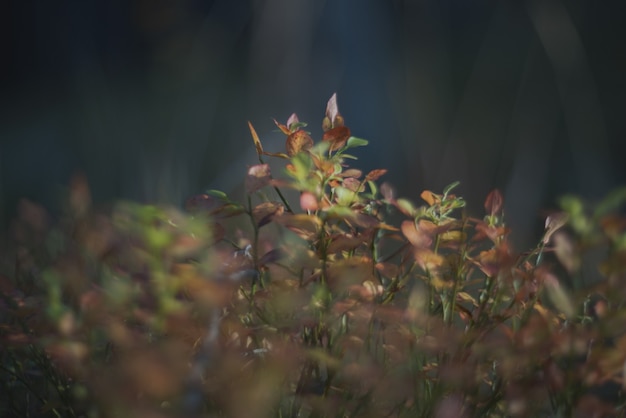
265, 212
80, 196
352, 173
255, 138
308, 201
430, 197
353, 184
298, 141
565, 250
344, 243
558, 295
375, 174
388, 192
610, 203
338, 137
303, 224
493, 203
218, 194
258, 177
553, 223
416, 236
449, 187
271, 256
406, 207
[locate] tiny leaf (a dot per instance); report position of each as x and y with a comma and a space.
255, 138
284, 129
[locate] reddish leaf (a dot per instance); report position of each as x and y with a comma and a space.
298, 141
375, 174
493, 203
337, 136
258, 177
388, 192
255, 138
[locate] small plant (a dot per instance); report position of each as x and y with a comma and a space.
321, 295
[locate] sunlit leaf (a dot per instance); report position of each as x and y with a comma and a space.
430, 197
255, 138
258, 177
284, 129
354, 142
338, 137
298, 141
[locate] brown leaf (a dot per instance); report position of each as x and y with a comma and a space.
255, 138
553, 223
265, 212
283, 128
337, 136
375, 174
298, 141
80, 196
258, 177
493, 203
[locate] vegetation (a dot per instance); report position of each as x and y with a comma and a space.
321, 295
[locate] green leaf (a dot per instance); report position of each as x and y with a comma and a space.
354, 142
612, 202
218, 194
449, 187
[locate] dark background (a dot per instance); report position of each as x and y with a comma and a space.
150, 98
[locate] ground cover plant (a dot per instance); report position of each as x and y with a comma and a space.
319, 294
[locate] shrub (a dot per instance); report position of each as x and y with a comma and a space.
349, 302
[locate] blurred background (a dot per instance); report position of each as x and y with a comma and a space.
150, 98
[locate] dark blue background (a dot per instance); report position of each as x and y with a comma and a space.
150, 98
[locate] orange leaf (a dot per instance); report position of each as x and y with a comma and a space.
430, 197
255, 138
375, 174
283, 128
337, 136
298, 141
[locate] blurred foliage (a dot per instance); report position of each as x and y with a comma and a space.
347, 302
